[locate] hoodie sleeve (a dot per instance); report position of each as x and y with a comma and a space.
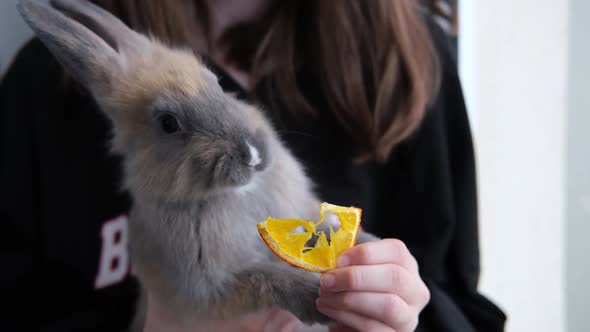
20, 204
50, 199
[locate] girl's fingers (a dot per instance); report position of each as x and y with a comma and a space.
379, 252
356, 321
389, 309
384, 278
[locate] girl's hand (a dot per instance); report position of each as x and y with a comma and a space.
158, 318
375, 287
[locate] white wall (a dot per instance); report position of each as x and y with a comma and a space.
468, 49
516, 78
578, 169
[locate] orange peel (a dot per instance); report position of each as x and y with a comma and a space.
281, 236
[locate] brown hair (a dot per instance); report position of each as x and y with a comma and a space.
374, 60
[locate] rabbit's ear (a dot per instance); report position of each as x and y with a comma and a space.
87, 40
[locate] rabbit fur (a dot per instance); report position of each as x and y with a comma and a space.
202, 167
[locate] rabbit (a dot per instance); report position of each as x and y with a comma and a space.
202, 167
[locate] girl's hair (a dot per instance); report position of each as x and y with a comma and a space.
373, 60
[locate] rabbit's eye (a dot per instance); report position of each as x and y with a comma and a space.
169, 124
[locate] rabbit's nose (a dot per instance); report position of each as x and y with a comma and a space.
255, 159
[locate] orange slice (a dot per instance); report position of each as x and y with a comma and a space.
289, 238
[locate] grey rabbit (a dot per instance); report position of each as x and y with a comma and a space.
202, 167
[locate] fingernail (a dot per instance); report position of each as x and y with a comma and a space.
343, 261
326, 310
327, 280
320, 303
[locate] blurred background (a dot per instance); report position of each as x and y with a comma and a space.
525, 68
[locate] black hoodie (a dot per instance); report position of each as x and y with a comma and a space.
63, 217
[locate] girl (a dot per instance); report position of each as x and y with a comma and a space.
364, 93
